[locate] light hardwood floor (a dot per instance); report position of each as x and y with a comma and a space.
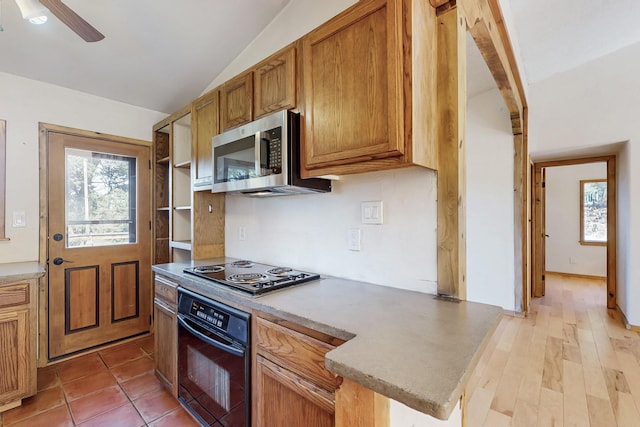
570, 363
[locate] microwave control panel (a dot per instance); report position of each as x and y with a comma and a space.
273, 149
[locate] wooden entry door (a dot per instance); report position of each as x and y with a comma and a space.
98, 239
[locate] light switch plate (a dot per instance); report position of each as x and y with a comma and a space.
371, 212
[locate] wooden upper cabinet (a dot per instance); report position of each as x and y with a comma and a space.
236, 101
275, 82
369, 89
204, 124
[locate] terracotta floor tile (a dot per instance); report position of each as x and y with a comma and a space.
47, 378
179, 417
132, 368
141, 385
154, 405
124, 416
56, 417
86, 385
120, 354
97, 403
146, 344
91, 364
41, 402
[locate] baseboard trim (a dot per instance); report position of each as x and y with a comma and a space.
626, 322
575, 276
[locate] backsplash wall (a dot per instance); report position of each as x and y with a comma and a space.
310, 231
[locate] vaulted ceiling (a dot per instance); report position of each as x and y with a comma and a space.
160, 54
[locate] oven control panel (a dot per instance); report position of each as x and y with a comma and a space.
210, 315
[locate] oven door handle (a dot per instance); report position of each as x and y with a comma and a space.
194, 329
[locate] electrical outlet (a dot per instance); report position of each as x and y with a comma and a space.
354, 239
19, 219
573, 260
242, 234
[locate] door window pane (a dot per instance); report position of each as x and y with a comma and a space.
594, 211
100, 200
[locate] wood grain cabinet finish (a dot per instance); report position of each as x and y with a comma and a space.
236, 101
204, 125
286, 398
369, 89
18, 326
166, 332
290, 365
275, 83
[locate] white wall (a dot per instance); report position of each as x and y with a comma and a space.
563, 221
597, 104
23, 104
310, 231
490, 222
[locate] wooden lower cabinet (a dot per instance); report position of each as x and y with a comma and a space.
291, 384
17, 343
286, 399
166, 333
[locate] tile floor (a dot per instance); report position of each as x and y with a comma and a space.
111, 387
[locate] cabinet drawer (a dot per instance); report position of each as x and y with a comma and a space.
295, 351
12, 295
166, 291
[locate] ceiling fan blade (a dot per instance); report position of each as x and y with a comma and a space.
73, 20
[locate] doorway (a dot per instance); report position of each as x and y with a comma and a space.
95, 239
540, 235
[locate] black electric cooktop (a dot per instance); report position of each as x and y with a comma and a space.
252, 277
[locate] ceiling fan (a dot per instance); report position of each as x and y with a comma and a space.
33, 9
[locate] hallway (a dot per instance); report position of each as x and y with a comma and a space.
570, 363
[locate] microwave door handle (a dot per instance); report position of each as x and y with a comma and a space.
194, 329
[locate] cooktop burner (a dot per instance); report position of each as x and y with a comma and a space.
252, 277
209, 269
247, 278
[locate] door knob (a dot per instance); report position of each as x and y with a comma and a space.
58, 260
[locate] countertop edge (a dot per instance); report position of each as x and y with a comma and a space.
17, 271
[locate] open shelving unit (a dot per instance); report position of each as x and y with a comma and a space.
189, 219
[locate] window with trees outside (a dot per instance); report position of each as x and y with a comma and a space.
3, 175
593, 212
100, 199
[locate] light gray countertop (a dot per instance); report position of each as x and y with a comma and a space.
402, 344
16, 271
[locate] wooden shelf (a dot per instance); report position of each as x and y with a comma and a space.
162, 238
181, 244
163, 161
186, 164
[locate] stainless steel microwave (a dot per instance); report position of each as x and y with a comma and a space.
262, 158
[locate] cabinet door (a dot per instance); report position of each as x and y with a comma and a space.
297, 399
14, 353
275, 83
166, 345
236, 101
204, 126
353, 86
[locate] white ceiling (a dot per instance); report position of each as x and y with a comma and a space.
160, 54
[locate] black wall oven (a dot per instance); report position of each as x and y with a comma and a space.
213, 361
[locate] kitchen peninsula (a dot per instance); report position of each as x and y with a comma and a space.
408, 346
